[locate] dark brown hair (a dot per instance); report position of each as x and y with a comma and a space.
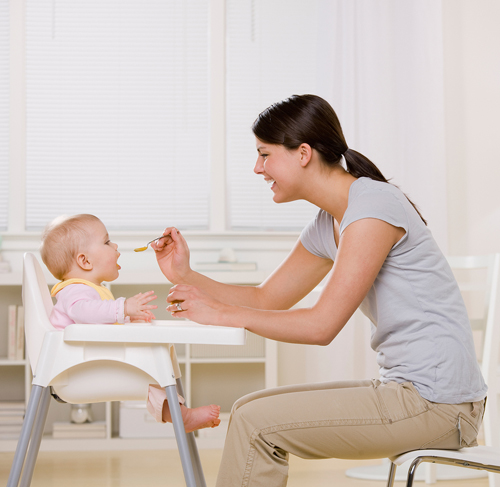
310, 119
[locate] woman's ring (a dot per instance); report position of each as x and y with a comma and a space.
178, 306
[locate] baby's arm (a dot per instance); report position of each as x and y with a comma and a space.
82, 304
137, 306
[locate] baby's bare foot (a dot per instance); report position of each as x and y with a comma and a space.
196, 418
202, 417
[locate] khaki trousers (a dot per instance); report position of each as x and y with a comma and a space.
355, 419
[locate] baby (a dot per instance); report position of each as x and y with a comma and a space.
77, 250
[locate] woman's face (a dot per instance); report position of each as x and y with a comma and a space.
280, 168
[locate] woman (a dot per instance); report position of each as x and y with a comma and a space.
382, 258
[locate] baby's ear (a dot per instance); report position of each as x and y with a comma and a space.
83, 262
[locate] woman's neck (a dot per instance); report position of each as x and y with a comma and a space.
330, 191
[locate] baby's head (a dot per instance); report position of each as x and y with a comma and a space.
63, 239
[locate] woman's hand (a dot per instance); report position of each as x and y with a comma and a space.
195, 305
172, 254
137, 307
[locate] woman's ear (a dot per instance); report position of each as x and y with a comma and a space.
83, 262
305, 153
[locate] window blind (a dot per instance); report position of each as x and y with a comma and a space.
118, 112
272, 53
4, 112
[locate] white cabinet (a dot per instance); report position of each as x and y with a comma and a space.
211, 374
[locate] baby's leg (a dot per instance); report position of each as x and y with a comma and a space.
197, 418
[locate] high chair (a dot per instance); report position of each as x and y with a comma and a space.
100, 363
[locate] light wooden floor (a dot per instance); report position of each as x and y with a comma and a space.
162, 468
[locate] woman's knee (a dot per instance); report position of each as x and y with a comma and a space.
248, 417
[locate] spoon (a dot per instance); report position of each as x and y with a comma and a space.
142, 249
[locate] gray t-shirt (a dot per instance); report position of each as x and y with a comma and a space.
420, 328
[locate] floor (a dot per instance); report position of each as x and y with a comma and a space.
162, 468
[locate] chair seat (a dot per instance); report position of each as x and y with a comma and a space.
485, 455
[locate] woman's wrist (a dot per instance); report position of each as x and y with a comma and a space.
229, 315
186, 278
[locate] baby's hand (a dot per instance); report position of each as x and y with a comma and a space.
137, 307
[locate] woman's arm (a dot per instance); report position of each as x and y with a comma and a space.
299, 273
362, 251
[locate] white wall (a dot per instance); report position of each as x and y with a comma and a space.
472, 113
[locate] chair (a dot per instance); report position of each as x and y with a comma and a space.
486, 458
100, 363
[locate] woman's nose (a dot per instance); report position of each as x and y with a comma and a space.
258, 168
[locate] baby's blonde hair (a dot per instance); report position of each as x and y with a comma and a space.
62, 239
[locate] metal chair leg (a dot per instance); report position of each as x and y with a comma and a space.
193, 448
392, 475
180, 435
24, 438
36, 439
412, 471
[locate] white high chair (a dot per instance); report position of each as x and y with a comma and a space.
100, 363
486, 458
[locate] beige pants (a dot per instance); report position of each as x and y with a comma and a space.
358, 420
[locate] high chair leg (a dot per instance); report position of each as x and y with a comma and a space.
24, 438
193, 449
180, 435
36, 439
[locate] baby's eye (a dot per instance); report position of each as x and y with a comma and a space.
107, 243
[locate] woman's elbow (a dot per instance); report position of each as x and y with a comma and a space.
325, 332
324, 337
324, 341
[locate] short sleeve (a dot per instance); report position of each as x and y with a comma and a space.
317, 236
378, 204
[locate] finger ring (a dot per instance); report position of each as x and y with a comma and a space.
178, 306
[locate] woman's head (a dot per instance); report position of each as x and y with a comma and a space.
309, 119
63, 239
303, 119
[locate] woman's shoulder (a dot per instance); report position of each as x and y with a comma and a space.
376, 199
367, 186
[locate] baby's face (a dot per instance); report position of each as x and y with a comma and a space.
102, 253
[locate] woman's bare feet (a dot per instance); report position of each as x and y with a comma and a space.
195, 418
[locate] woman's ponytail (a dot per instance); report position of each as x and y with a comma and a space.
360, 166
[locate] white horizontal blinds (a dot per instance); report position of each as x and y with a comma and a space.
118, 112
272, 53
4, 112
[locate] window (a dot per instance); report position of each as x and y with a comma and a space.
118, 112
268, 59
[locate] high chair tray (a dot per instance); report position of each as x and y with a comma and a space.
158, 331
